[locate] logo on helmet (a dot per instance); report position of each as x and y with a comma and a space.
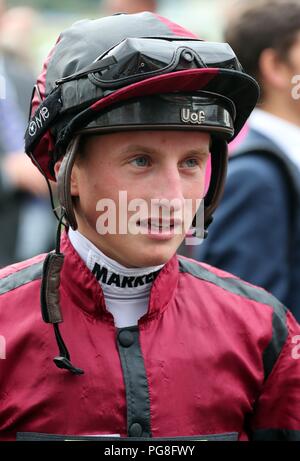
38, 121
194, 117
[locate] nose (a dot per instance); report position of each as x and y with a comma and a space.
168, 188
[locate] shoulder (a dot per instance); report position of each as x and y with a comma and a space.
237, 307
228, 284
20, 275
21, 325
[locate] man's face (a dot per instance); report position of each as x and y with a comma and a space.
148, 166
2, 8
294, 69
280, 81
129, 6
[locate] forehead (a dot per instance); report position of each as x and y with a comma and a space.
180, 141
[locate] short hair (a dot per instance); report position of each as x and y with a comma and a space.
262, 24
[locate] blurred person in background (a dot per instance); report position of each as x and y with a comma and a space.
256, 231
17, 25
129, 6
23, 192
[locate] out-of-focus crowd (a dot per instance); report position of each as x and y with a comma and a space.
26, 224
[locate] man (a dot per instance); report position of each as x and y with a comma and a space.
129, 6
256, 231
161, 346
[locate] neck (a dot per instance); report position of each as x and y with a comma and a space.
126, 291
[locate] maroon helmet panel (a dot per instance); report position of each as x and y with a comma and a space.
176, 28
194, 79
41, 81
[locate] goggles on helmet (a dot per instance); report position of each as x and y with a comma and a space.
135, 59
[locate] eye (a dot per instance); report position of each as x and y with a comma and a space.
190, 163
141, 161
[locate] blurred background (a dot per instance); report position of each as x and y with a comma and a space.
35, 24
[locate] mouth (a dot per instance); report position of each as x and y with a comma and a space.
155, 225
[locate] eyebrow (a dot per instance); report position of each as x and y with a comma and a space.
150, 150
133, 147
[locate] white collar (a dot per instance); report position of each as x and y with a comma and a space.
285, 134
117, 281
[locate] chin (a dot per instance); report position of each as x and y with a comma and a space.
156, 261
156, 258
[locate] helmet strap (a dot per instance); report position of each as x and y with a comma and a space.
64, 182
50, 301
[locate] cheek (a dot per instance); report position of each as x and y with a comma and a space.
194, 192
99, 196
98, 183
197, 187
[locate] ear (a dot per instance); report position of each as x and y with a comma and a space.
74, 178
57, 167
274, 71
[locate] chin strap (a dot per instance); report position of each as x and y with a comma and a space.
64, 182
50, 301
